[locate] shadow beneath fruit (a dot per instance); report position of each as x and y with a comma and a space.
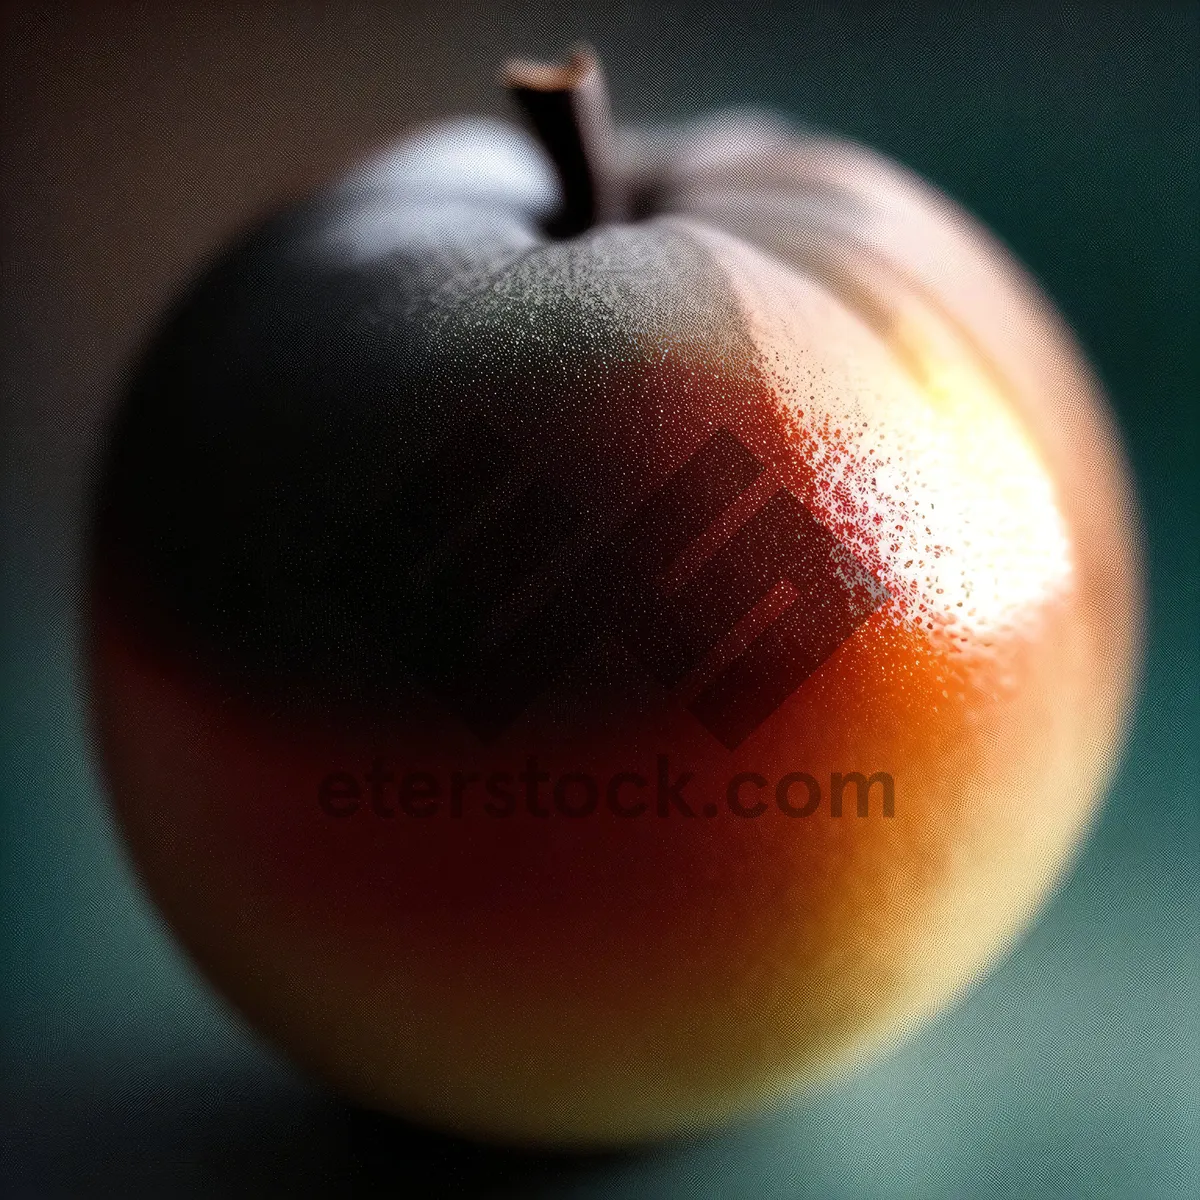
391, 1156
213, 1135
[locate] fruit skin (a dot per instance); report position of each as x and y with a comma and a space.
608, 980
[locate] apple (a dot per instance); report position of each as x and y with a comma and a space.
592, 632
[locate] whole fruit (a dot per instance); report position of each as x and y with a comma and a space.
589, 635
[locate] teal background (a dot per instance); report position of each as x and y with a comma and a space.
133, 144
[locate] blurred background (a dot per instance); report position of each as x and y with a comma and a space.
135, 139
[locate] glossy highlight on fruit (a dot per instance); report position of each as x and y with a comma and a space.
589, 635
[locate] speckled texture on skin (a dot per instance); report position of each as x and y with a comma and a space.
293, 540
263, 456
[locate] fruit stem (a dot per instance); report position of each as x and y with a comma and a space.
568, 108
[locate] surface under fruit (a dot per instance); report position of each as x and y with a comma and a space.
486, 628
